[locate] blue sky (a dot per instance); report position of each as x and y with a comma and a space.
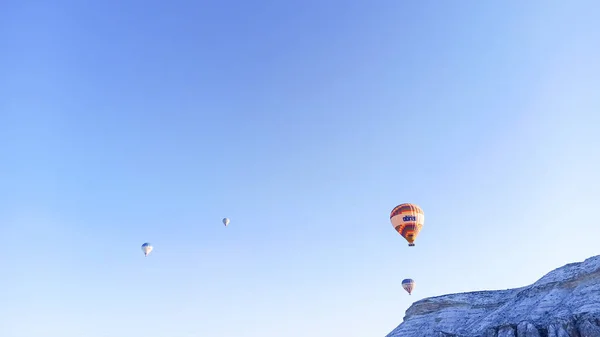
305, 122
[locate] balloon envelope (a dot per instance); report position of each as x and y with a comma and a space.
147, 248
408, 285
408, 220
226, 221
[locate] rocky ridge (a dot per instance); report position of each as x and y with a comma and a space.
563, 303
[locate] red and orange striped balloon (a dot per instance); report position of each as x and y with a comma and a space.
408, 220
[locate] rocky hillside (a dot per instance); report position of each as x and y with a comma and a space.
563, 303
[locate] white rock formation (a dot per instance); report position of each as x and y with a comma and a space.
563, 303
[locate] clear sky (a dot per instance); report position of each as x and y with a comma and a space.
305, 122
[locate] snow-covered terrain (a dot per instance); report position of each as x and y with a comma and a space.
563, 303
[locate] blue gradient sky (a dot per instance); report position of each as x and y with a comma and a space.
305, 122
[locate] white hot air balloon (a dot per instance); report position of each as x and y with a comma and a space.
226, 221
146, 248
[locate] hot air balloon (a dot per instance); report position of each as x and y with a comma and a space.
408, 221
226, 221
408, 285
146, 248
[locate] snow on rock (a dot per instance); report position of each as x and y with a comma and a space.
563, 303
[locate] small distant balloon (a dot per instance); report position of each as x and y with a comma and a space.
147, 248
226, 221
408, 285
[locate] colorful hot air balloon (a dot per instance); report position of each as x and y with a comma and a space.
147, 248
408, 285
408, 221
226, 221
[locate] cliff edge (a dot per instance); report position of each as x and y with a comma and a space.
563, 303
